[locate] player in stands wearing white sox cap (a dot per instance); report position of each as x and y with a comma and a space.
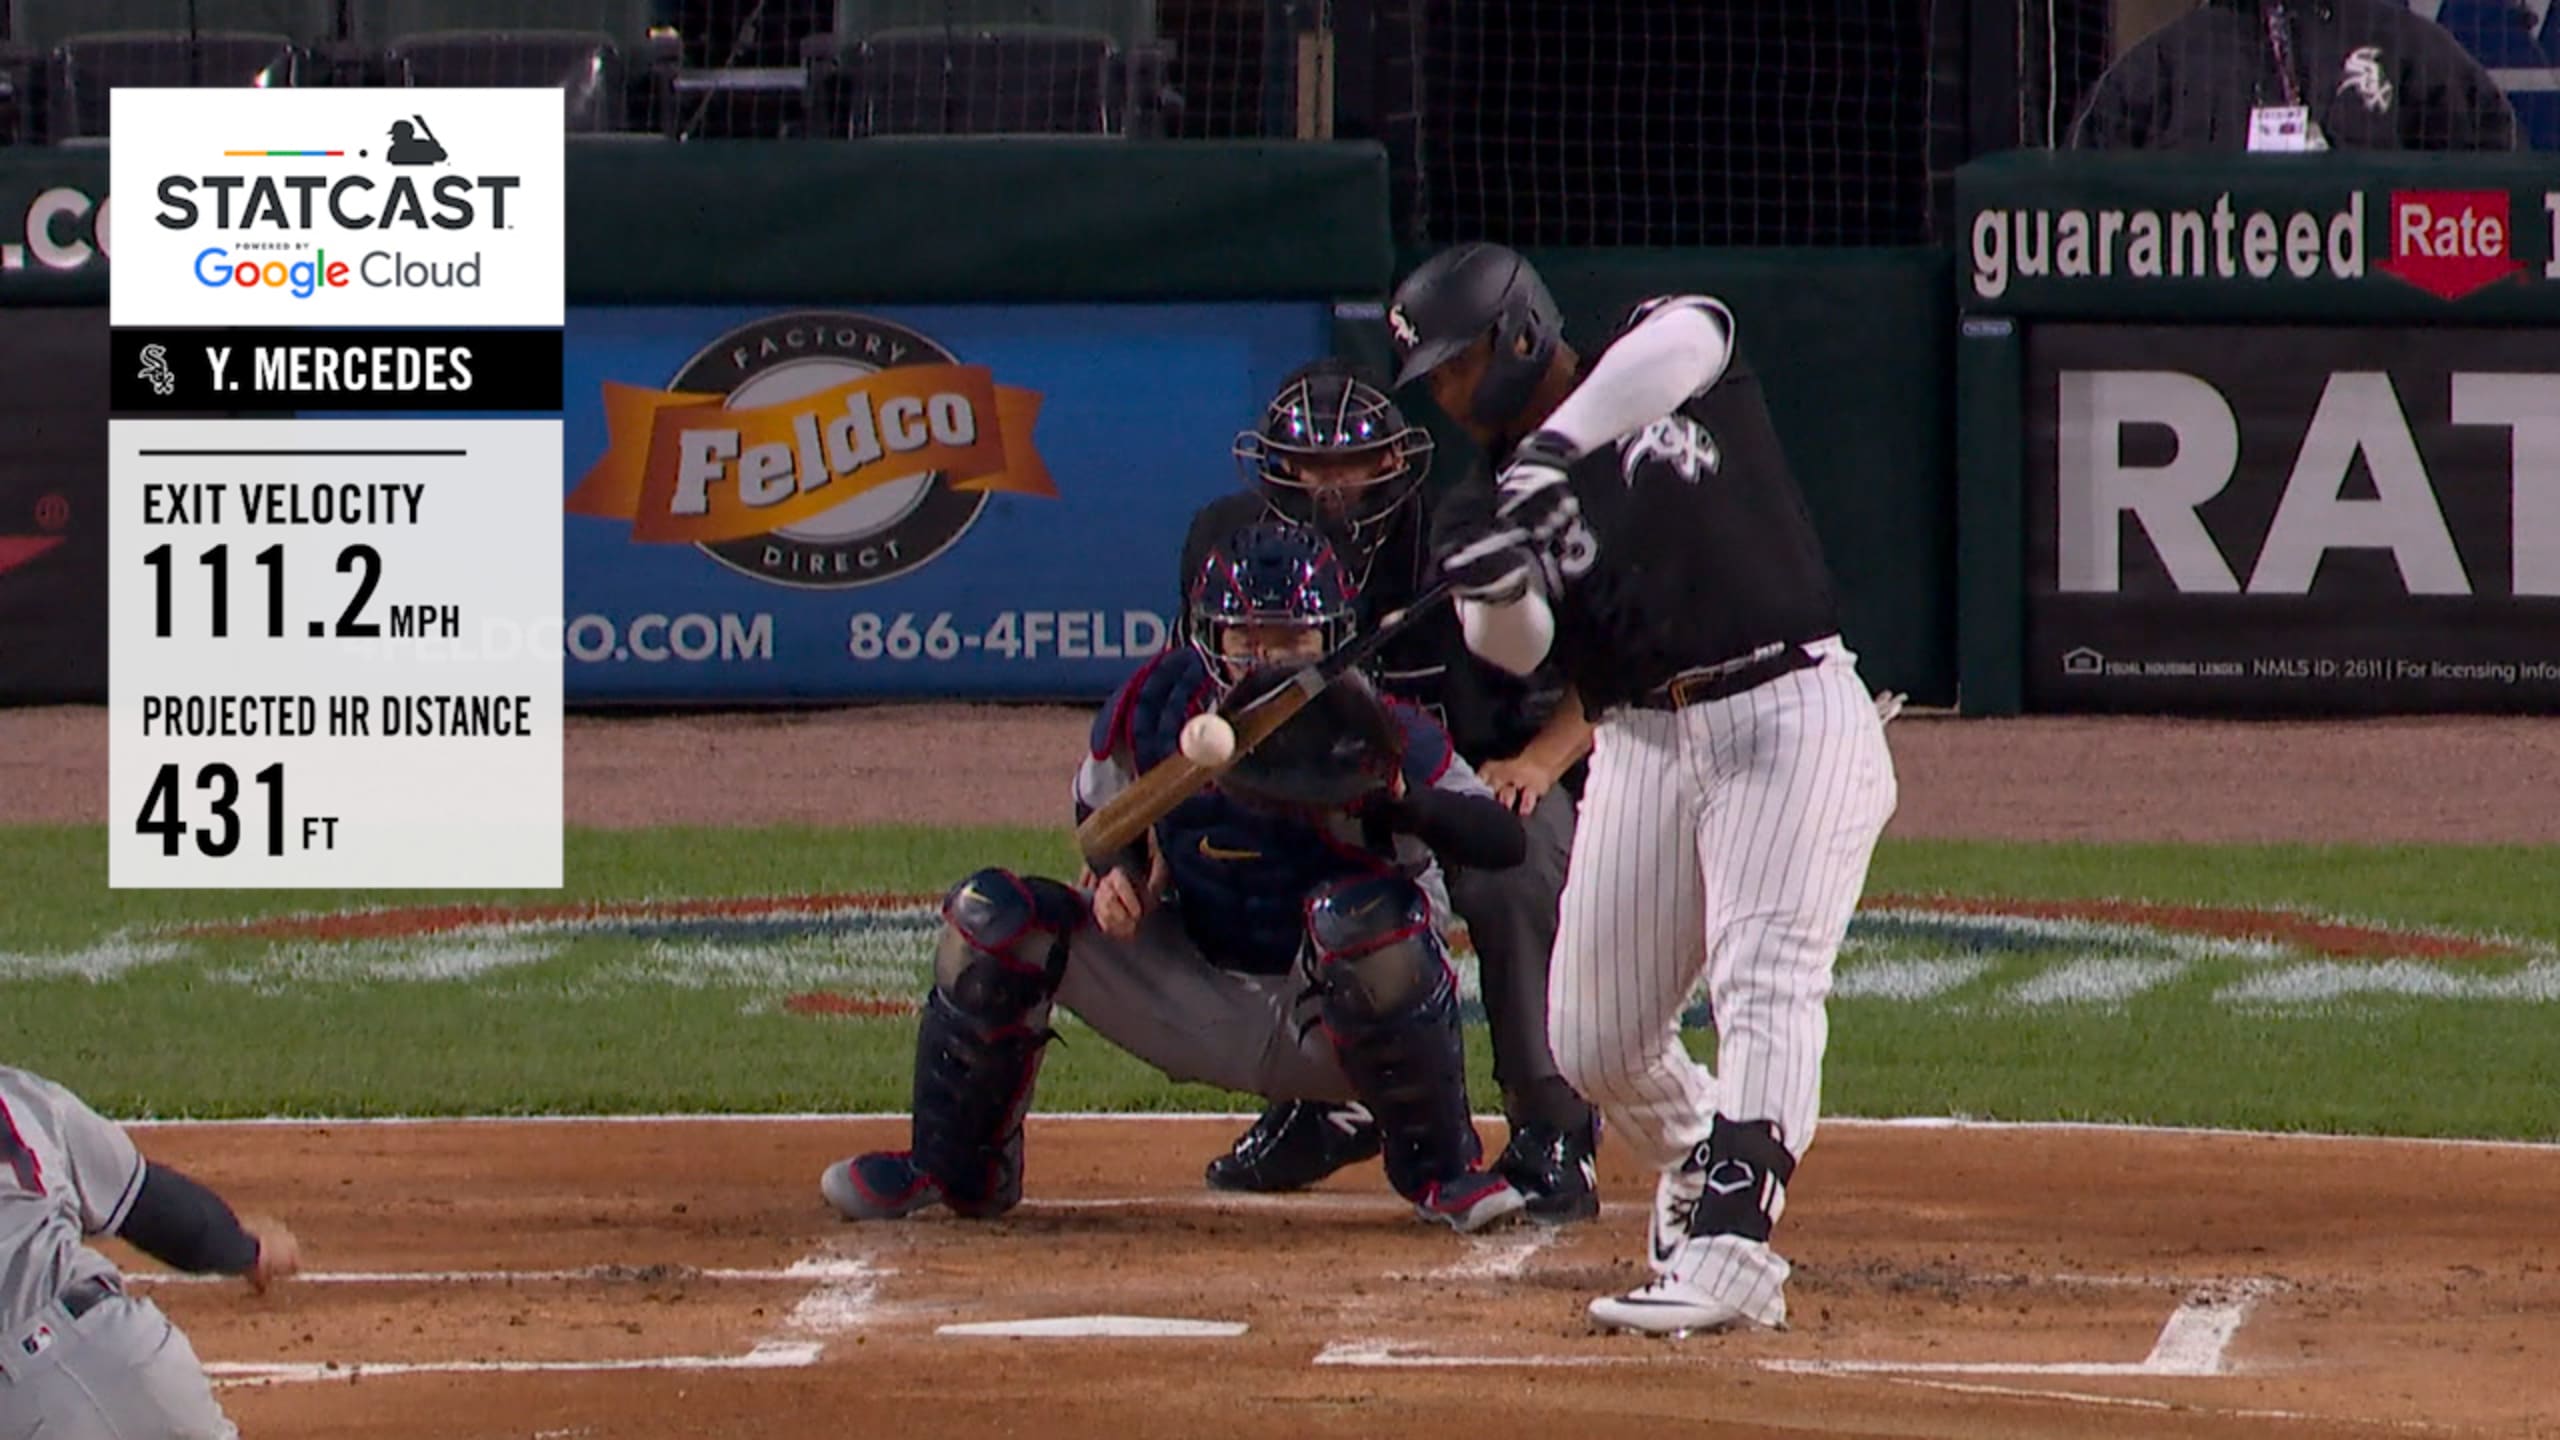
1647, 534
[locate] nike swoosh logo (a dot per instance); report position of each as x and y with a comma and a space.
1662, 1253
1218, 852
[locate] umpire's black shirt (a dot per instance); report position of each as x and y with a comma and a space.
1489, 714
1706, 552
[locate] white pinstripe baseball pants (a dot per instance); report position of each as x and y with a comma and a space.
1731, 837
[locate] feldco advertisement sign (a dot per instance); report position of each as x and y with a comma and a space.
2293, 519
831, 503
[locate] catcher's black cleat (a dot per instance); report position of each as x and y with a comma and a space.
1295, 1144
1554, 1168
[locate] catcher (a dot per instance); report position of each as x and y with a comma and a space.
1274, 934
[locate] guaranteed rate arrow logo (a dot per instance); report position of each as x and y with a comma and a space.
2451, 243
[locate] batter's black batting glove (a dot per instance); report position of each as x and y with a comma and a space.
1534, 494
1488, 564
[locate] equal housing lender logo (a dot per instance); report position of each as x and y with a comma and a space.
869, 955
2449, 243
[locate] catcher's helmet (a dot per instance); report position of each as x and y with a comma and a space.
1333, 451
1470, 292
1270, 573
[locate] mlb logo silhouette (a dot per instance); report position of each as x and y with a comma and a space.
412, 143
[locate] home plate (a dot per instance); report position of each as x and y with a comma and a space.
1115, 1327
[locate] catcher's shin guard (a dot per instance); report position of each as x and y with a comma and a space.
978, 1049
1390, 1005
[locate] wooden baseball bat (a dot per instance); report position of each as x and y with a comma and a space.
1134, 811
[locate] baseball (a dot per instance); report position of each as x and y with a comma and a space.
1208, 741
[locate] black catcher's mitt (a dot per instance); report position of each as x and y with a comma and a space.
1341, 747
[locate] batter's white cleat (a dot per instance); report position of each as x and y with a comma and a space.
1667, 1306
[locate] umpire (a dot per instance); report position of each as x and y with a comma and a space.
1334, 452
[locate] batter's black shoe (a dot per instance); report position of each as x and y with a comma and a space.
1295, 1144
1554, 1168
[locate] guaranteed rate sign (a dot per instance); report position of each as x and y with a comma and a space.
334, 617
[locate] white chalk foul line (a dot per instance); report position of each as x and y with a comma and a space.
2136, 1402
846, 1288
1499, 1257
2200, 1330
767, 1356
2191, 1344
1098, 1327
1390, 1355
825, 1271
843, 1300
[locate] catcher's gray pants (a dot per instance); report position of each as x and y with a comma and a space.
120, 1371
1154, 996
1511, 917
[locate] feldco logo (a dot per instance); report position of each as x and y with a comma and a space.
816, 449
271, 212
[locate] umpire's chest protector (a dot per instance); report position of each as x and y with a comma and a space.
1241, 874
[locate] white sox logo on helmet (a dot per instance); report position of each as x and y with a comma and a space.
1403, 327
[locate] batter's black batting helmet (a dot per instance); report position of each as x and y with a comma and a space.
1333, 451
1272, 573
1471, 292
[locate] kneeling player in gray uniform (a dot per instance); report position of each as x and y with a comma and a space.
1274, 934
81, 1359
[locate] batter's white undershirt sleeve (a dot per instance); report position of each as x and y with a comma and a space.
1675, 352
1515, 636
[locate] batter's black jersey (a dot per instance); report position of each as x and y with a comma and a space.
1489, 713
1705, 550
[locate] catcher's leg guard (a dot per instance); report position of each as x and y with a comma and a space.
1002, 952
1391, 1007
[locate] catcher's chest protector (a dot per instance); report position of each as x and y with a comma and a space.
1242, 874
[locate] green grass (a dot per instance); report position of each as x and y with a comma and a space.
185, 1037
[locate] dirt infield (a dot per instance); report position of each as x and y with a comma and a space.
577, 1279
2414, 780
1982, 1282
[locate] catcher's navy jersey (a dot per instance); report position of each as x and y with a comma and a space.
1241, 874
1705, 550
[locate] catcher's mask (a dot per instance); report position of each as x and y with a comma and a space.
1270, 593
1333, 451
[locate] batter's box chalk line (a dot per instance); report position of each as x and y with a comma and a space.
843, 1298
1098, 1327
2191, 1344
1402, 1355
